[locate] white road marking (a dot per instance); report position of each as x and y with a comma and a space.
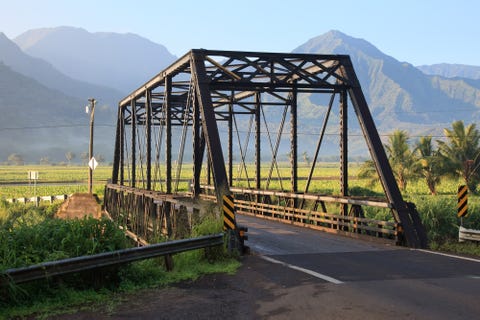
307, 271
448, 255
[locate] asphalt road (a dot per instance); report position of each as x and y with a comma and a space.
352, 279
297, 273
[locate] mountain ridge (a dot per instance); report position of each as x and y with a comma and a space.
452, 70
399, 94
101, 58
397, 90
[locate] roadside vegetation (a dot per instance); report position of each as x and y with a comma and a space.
438, 167
427, 171
30, 235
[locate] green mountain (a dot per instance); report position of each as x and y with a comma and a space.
45, 73
47, 76
43, 111
448, 70
400, 95
120, 61
37, 121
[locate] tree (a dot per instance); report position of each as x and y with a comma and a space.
401, 158
45, 160
306, 158
461, 152
84, 157
16, 159
431, 163
368, 171
69, 156
100, 158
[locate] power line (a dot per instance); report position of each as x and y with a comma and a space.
54, 127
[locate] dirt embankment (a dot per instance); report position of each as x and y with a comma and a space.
79, 205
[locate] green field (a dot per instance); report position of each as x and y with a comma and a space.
71, 179
64, 180
438, 212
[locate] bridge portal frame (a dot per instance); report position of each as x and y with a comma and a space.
211, 82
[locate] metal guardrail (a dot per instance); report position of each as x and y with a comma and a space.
84, 263
38, 199
468, 234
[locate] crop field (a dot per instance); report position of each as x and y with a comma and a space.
52, 180
438, 211
56, 180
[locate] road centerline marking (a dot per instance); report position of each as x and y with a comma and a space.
307, 271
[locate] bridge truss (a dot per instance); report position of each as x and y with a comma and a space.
221, 110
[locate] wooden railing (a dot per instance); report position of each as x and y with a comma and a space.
319, 220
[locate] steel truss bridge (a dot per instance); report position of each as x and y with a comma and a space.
215, 122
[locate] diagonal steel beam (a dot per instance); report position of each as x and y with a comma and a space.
209, 123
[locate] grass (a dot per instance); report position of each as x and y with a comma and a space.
438, 214
29, 235
147, 274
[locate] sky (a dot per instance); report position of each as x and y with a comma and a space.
415, 31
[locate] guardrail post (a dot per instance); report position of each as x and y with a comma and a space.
235, 234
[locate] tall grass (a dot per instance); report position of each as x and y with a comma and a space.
30, 235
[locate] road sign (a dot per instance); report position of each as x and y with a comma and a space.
92, 163
228, 213
32, 175
462, 205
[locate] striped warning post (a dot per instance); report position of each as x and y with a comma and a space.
462, 205
228, 213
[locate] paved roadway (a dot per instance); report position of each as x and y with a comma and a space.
326, 276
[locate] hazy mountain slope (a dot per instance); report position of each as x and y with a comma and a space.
120, 61
45, 73
451, 70
398, 93
37, 121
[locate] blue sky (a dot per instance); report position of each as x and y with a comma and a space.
416, 31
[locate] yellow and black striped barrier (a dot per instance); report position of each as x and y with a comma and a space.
229, 222
236, 235
462, 205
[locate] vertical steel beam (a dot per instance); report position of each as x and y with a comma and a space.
167, 206
122, 145
168, 134
258, 136
230, 144
117, 151
209, 123
148, 138
401, 211
198, 149
293, 140
343, 149
209, 170
134, 144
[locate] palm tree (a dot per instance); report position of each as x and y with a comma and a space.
69, 156
461, 152
431, 168
368, 171
306, 158
401, 158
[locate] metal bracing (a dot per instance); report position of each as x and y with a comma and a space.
222, 96
343, 149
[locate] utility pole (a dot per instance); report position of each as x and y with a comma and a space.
90, 148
